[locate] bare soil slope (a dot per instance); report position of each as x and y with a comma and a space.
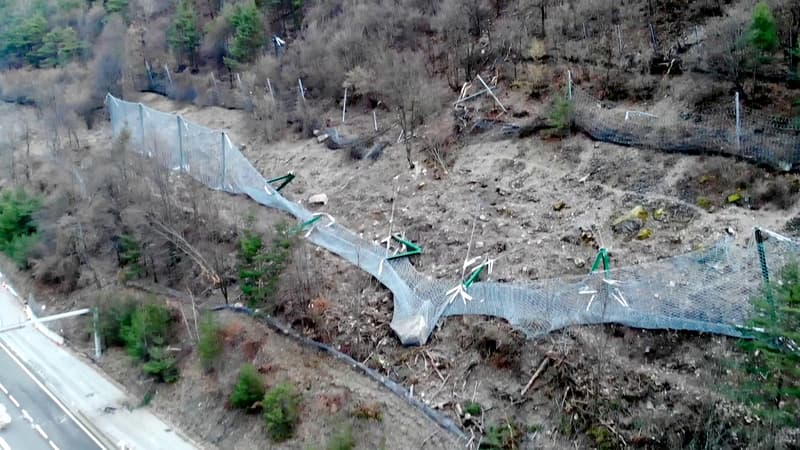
609, 385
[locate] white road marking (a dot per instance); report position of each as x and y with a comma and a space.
4, 445
41, 431
55, 447
3, 388
13, 400
27, 416
52, 397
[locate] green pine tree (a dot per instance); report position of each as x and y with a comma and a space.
261, 265
18, 230
248, 36
184, 36
59, 46
24, 36
763, 33
209, 346
771, 379
249, 388
117, 6
297, 12
762, 36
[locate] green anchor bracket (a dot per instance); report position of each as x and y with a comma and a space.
414, 249
461, 288
762, 260
286, 180
305, 225
473, 277
602, 257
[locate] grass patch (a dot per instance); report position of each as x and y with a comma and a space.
705, 203
148, 398
343, 440
603, 438
365, 411
505, 436
473, 409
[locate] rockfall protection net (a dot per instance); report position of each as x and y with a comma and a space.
769, 140
707, 290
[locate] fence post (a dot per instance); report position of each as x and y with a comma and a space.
222, 180
180, 142
344, 104
98, 351
738, 125
302, 91
653, 36
141, 126
269, 86
569, 85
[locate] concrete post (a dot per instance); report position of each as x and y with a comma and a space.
302, 91
98, 351
141, 126
222, 143
344, 104
180, 142
569, 85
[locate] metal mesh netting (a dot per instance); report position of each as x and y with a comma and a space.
708, 290
764, 139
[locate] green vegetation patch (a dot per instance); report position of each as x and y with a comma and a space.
249, 388
18, 230
281, 415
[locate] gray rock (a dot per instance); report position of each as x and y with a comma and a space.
318, 199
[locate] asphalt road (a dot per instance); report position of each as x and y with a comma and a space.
67, 397
37, 422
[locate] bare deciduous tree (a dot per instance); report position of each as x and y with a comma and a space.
724, 49
404, 85
461, 23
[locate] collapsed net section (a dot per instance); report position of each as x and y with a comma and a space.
708, 290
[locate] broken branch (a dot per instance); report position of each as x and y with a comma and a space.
536, 374
489, 90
